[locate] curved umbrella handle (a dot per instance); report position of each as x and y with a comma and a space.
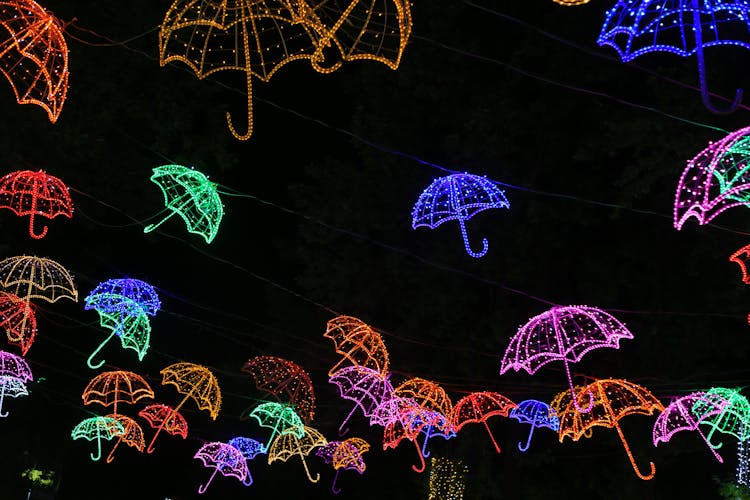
705, 96
422, 465
528, 440
98, 450
249, 480
497, 447
307, 471
335, 490
202, 488
89, 361
111, 455
425, 451
248, 77
342, 431
2, 397
474, 254
632, 459
708, 439
31, 228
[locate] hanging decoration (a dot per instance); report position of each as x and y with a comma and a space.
741, 258
345, 455
119, 386
368, 388
427, 394
278, 417
743, 468
286, 381
478, 407
18, 319
457, 197
733, 419
447, 479
189, 194
682, 27
34, 55
97, 428
409, 422
680, 416
255, 37
11, 387
132, 435
536, 413
389, 410
612, 399
289, 443
223, 458
358, 343
26, 192
563, 333
31, 277
715, 180
249, 447
15, 366
166, 418
371, 30
196, 382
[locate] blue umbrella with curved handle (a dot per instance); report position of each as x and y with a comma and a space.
536, 413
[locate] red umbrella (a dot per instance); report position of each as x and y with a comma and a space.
478, 407
35, 193
285, 380
18, 319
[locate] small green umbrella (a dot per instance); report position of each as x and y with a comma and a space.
732, 420
279, 417
97, 428
134, 332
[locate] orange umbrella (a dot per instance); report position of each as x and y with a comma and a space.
358, 343
478, 407
133, 435
613, 400
281, 377
120, 386
427, 394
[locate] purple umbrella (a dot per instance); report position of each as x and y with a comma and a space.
368, 388
223, 458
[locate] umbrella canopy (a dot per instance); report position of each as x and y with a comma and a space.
345, 454
366, 387
289, 443
134, 333
118, 386
223, 458
189, 194
427, 394
34, 55
248, 446
128, 295
97, 428
358, 343
15, 366
536, 413
733, 419
132, 435
31, 277
478, 407
26, 192
278, 417
285, 380
165, 417
18, 319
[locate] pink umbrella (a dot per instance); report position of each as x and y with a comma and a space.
224, 458
368, 388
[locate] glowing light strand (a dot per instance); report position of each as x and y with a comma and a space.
289, 443
18, 319
447, 479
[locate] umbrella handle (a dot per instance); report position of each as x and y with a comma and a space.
528, 440
98, 450
325, 41
342, 432
31, 224
497, 447
111, 455
202, 488
249, 82
96, 351
335, 490
474, 254
151, 227
2, 397
422, 466
632, 459
710, 446
307, 471
425, 451
705, 96
249, 480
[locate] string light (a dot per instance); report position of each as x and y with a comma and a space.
612, 399
26, 192
358, 342
478, 407
637, 28
97, 428
286, 380
447, 479
289, 443
536, 413
457, 197
113, 387
132, 435
34, 57
223, 458
31, 277
192, 196
368, 388
564, 333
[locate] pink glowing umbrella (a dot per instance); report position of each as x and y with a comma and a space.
224, 458
365, 386
15, 366
563, 333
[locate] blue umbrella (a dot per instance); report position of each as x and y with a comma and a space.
248, 446
128, 295
457, 197
536, 413
682, 27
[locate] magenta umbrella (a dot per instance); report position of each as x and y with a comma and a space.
368, 388
224, 458
563, 333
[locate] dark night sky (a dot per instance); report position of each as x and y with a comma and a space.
592, 149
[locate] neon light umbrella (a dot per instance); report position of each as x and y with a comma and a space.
428, 422
613, 399
427, 394
223, 458
279, 417
358, 343
366, 387
189, 194
562, 333
248, 446
34, 55
134, 333
405, 425
733, 418
741, 258
345, 454
682, 27
457, 197
97, 428
680, 416
160, 416
289, 443
119, 386
285, 380
196, 382
12, 387
18, 318
536, 413
15, 366
132, 435
388, 411
31, 277
26, 192
478, 407
129, 295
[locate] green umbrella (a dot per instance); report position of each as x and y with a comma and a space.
278, 417
732, 420
97, 428
134, 332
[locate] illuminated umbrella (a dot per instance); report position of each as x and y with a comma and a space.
278, 417
97, 428
366, 387
407, 423
536, 413
160, 416
223, 458
15, 366
457, 197
119, 386
255, 37
478, 407
388, 411
289, 443
358, 343
196, 382
680, 416
31, 277
134, 333
189, 194
427, 394
345, 454
26, 192
733, 419
132, 435
18, 318
12, 387
34, 55
428, 422
248, 446
682, 27
613, 399
741, 258
562, 333
285, 380
129, 295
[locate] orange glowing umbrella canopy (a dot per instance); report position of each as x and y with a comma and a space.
358, 343
613, 399
427, 394
133, 435
119, 386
